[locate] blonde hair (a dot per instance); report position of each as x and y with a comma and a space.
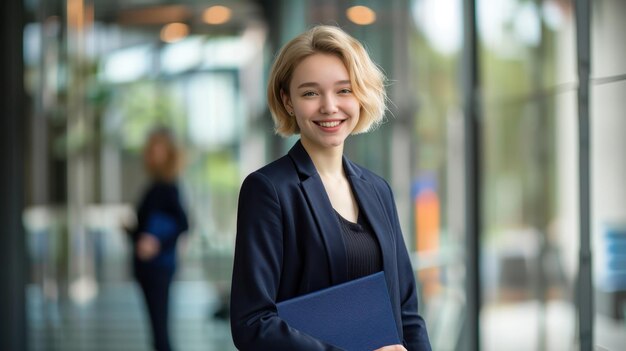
367, 80
172, 165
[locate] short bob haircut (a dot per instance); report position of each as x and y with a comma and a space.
367, 80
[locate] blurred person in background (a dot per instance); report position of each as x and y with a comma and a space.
161, 218
313, 218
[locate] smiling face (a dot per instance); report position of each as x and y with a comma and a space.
321, 100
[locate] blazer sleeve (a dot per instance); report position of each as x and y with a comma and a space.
255, 323
413, 325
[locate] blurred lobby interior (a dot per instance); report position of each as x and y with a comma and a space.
502, 145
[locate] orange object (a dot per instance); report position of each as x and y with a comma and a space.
427, 229
427, 221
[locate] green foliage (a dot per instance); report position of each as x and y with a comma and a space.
222, 171
144, 105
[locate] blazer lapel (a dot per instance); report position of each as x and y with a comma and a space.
323, 213
328, 227
372, 208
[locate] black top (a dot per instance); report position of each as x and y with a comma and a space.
362, 248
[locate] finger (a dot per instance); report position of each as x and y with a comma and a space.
392, 348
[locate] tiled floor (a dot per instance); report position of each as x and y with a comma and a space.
515, 327
115, 320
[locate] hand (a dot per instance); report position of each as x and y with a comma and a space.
392, 348
148, 246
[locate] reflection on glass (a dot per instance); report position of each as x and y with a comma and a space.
609, 208
607, 41
127, 65
529, 249
437, 183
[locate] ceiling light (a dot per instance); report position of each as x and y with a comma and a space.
217, 14
361, 15
174, 32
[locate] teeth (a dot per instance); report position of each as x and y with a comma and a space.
329, 124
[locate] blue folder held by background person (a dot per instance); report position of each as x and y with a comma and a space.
165, 228
355, 316
161, 225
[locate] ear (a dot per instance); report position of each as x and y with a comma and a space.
286, 100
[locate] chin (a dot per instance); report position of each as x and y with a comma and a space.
327, 141
334, 141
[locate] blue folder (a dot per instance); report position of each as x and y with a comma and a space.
164, 227
161, 225
355, 316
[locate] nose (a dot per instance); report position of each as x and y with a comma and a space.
329, 105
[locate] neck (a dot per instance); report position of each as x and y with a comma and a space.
327, 160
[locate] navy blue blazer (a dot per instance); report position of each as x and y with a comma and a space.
289, 243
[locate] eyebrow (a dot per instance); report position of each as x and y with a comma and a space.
313, 84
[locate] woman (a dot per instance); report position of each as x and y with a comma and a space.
160, 220
313, 218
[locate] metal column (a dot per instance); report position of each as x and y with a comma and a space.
584, 289
12, 247
471, 111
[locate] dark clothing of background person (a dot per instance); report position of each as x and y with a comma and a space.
155, 275
289, 243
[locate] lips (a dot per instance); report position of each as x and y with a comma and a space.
329, 123
330, 126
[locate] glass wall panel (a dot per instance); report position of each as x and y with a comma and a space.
609, 214
437, 175
100, 76
607, 42
608, 169
529, 241
523, 45
529, 246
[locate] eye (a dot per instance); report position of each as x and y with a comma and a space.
345, 91
309, 94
